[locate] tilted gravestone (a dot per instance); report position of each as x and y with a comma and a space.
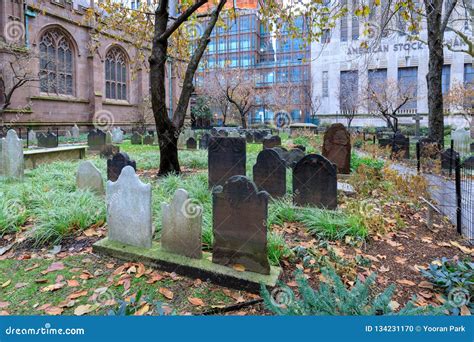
448, 159
293, 156
75, 132
47, 140
136, 139
13, 162
401, 146
269, 173
129, 215
88, 177
148, 139
315, 182
240, 225
117, 163
182, 226
227, 157
272, 141
32, 140
96, 139
117, 135
204, 141
337, 147
191, 144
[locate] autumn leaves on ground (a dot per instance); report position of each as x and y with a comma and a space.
381, 229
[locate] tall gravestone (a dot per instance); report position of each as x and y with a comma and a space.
448, 159
96, 139
181, 231
191, 144
269, 173
32, 140
204, 141
13, 163
129, 215
271, 141
117, 135
116, 164
75, 132
337, 147
315, 182
136, 139
401, 146
240, 225
88, 177
227, 157
148, 139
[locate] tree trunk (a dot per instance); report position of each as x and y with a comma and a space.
435, 70
243, 121
169, 162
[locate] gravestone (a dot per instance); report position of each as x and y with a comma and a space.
384, 142
272, 141
32, 140
68, 135
469, 163
191, 144
293, 156
96, 140
258, 136
401, 146
240, 225
108, 151
117, 163
117, 135
129, 215
47, 140
13, 162
315, 182
269, 173
337, 147
226, 158
108, 138
448, 159
462, 140
249, 137
222, 133
136, 139
204, 141
148, 139
75, 132
88, 177
429, 148
214, 132
182, 226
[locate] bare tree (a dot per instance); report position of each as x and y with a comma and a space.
386, 100
349, 98
213, 89
460, 100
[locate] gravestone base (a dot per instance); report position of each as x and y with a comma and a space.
203, 269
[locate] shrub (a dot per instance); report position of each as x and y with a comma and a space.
333, 298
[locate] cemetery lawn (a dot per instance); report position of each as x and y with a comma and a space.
47, 229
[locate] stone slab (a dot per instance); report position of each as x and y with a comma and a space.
39, 156
203, 269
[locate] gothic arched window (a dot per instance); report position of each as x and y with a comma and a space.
56, 64
115, 75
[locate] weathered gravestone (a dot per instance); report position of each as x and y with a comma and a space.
240, 225
108, 137
293, 156
401, 146
47, 140
88, 177
136, 139
272, 141
96, 140
116, 164
448, 159
129, 216
204, 141
148, 139
108, 151
32, 140
315, 182
13, 163
75, 132
337, 147
117, 135
226, 158
269, 173
182, 226
191, 144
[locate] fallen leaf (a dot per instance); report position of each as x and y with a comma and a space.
32, 267
400, 260
85, 275
84, 309
77, 294
72, 283
166, 293
143, 310
463, 249
5, 284
196, 301
426, 285
55, 266
426, 295
239, 267
465, 311
43, 307
20, 285
3, 305
41, 281
384, 269
406, 282
53, 311
53, 287
394, 305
